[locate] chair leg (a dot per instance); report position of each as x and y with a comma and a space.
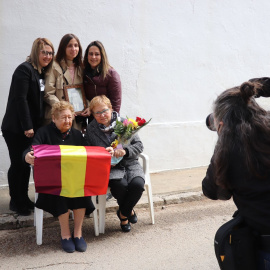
145, 161
39, 224
36, 197
95, 216
150, 202
101, 212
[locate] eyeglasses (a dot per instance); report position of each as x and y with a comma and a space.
101, 113
47, 53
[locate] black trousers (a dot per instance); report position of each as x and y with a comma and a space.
19, 171
127, 194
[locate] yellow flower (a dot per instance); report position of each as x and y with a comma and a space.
134, 123
114, 143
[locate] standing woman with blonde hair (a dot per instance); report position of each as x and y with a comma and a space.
24, 115
67, 70
99, 77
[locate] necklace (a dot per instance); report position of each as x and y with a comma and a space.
71, 68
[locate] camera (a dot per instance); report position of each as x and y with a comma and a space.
210, 122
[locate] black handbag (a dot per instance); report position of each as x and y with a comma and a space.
236, 245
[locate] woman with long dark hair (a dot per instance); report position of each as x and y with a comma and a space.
67, 70
100, 78
240, 166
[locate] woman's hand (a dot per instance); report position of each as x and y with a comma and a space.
110, 150
86, 112
29, 133
119, 153
30, 158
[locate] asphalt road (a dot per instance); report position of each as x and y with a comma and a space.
182, 238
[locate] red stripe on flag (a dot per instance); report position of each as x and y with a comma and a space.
97, 171
47, 169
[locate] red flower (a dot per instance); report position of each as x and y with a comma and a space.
138, 119
141, 122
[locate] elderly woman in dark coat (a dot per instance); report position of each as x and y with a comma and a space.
127, 177
61, 132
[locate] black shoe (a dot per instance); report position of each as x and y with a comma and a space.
133, 219
124, 227
12, 206
21, 210
30, 204
80, 244
68, 245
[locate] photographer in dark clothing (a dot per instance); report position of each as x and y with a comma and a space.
240, 165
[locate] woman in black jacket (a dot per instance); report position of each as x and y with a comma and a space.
24, 115
240, 166
60, 132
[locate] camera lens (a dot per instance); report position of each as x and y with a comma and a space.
210, 122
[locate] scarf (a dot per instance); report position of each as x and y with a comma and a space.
109, 129
93, 72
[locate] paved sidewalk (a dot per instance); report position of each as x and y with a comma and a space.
169, 187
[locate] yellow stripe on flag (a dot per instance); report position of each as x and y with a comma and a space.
73, 170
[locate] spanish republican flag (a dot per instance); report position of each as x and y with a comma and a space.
71, 171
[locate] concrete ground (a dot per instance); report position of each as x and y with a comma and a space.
169, 187
181, 239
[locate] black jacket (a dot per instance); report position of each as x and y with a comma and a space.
51, 135
25, 101
251, 195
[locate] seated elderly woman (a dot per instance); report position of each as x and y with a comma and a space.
60, 132
127, 177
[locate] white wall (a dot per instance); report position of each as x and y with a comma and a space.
173, 57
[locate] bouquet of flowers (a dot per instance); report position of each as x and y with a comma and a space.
125, 131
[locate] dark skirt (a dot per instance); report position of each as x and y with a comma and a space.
57, 205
